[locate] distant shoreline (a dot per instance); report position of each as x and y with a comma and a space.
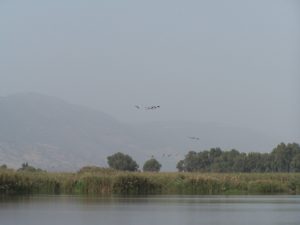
112, 182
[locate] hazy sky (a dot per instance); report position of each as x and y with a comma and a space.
235, 62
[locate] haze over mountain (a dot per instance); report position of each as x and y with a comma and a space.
53, 134
232, 62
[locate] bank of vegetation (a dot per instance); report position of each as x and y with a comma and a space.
207, 172
97, 181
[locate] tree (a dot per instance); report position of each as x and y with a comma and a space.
3, 167
192, 162
180, 166
27, 168
295, 164
256, 162
283, 155
226, 161
152, 165
240, 163
120, 161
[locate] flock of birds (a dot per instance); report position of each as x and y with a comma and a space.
154, 107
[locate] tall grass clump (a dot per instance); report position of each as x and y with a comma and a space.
201, 185
28, 183
135, 184
266, 187
89, 184
294, 185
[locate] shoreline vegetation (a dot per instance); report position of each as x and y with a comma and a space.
101, 181
213, 172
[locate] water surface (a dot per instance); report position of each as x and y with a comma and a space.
163, 210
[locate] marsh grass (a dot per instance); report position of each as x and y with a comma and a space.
109, 182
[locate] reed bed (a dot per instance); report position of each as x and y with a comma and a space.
110, 182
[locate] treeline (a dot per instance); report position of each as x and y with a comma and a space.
283, 158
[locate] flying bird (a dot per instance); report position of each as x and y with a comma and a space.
152, 107
194, 138
148, 107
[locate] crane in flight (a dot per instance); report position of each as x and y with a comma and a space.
194, 138
152, 107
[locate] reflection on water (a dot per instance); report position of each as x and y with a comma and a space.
173, 210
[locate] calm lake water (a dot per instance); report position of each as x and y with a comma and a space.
162, 210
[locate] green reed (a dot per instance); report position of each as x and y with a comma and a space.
109, 182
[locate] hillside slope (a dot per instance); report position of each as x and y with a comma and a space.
52, 134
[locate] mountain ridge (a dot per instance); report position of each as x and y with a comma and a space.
53, 134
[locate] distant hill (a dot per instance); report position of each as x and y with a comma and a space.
52, 134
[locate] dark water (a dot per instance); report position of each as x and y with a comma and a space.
162, 210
